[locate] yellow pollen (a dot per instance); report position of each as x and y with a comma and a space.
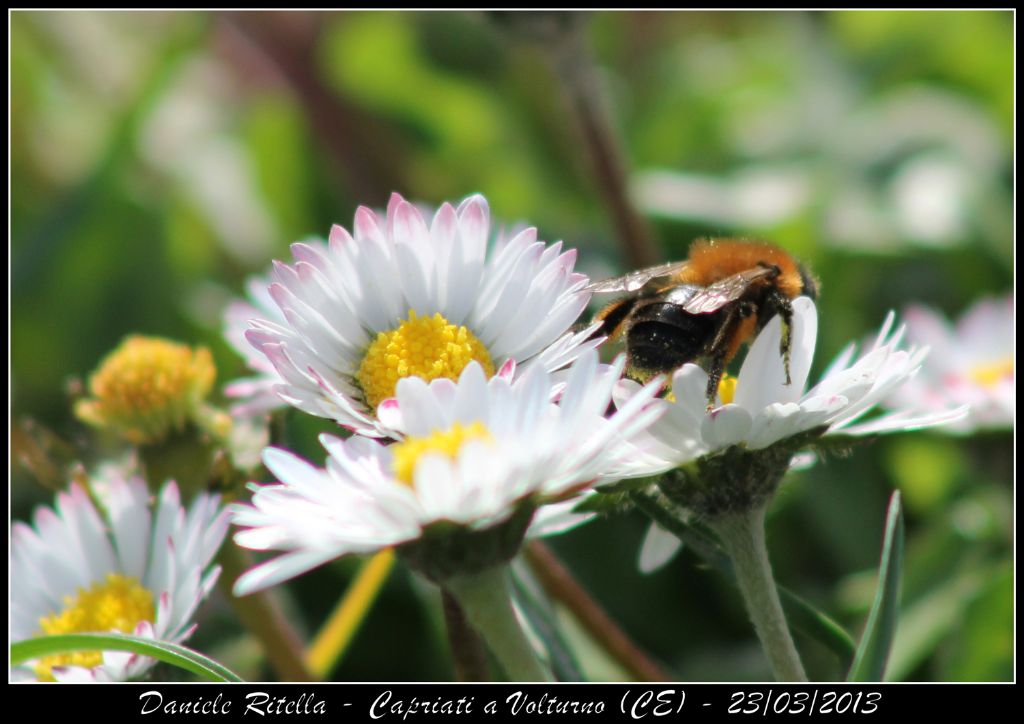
427, 347
147, 387
118, 604
727, 388
446, 442
992, 373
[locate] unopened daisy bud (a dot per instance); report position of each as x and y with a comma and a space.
148, 388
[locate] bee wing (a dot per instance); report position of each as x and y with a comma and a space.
635, 280
715, 296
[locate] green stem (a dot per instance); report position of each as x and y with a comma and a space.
742, 535
486, 599
469, 656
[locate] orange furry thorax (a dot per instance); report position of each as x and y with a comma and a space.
711, 260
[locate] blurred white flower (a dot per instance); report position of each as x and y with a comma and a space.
407, 298
79, 570
972, 363
476, 454
190, 137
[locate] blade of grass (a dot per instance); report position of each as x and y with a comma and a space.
170, 653
873, 650
542, 621
337, 633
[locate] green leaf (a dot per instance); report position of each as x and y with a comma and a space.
929, 621
542, 621
171, 653
873, 651
616, 498
815, 624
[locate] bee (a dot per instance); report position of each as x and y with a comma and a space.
703, 308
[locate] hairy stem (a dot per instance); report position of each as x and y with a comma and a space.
742, 535
486, 599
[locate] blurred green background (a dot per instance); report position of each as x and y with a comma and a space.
158, 159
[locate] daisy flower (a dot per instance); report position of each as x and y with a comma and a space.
725, 464
404, 298
755, 433
457, 493
972, 363
125, 568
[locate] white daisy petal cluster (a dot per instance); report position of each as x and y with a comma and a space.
474, 454
403, 297
128, 568
765, 410
972, 363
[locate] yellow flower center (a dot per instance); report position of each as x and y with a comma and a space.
427, 347
446, 442
147, 387
118, 604
991, 374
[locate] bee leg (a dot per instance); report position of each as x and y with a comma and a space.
714, 377
784, 308
721, 351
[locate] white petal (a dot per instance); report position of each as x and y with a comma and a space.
725, 426
130, 522
659, 547
557, 518
762, 378
280, 569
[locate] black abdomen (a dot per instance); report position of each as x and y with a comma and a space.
663, 337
